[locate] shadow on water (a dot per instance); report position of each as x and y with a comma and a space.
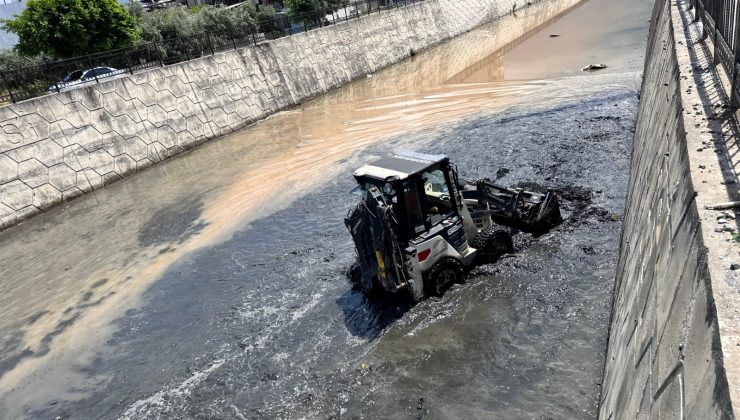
368, 316
174, 224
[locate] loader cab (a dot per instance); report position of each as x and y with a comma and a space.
420, 188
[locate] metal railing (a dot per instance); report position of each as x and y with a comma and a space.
19, 84
721, 21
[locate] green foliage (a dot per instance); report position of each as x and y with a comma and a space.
230, 23
301, 10
170, 23
310, 11
165, 24
11, 59
266, 19
69, 28
246, 13
197, 8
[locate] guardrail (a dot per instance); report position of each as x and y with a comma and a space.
24, 83
721, 21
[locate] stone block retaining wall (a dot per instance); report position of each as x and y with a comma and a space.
665, 355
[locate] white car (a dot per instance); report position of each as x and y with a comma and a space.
85, 77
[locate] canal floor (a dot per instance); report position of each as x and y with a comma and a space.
213, 285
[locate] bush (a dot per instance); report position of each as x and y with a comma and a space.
266, 19
311, 11
170, 23
11, 60
227, 23
165, 24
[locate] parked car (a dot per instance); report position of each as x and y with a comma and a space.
84, 77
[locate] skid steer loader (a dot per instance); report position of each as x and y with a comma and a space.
418, 229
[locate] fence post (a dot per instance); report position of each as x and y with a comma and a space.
290, 25
7, 86
90, 66
210, 43
698, 10
716, 37
187, 50
160, 52
127, 61
369, 7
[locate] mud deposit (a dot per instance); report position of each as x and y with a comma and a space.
265, 325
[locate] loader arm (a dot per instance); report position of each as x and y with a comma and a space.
527, 211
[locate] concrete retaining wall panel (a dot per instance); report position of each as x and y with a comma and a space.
663, 358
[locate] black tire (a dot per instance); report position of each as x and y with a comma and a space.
491, 244
443, 275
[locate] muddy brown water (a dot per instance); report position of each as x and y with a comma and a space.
213, 285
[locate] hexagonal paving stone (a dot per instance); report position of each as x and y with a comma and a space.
125, 164
62, 177
72, 193
5, 210
76, 157
16, 195
135, 147
156, 152
143, 163
33, 173
8, 169
46, 151
7, 216
46, 196
101, 161
167, 137
87, 180
27, 212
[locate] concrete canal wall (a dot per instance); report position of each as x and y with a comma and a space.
672, 333
60, 146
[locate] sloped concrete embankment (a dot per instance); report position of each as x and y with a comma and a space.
58, 147
665, 354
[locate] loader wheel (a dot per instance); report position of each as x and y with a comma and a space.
443, 275
491, 244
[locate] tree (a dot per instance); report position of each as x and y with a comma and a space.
11, 60
312, 11
305, 11
170, 23
266, 18
230, 23
70, 28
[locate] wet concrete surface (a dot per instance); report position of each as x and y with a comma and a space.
265, 324
594, 32
213, 286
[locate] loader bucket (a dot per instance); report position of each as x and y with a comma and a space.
547, 215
